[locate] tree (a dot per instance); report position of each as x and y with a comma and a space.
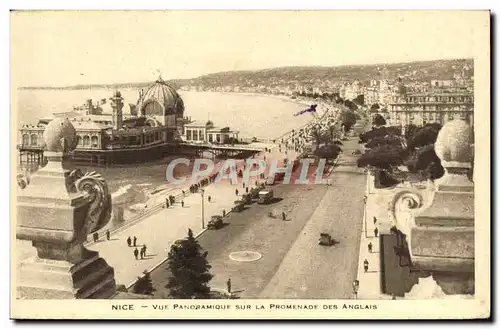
318, 136
144, 285
425, 135
426, 161
348, 119
374, 108
382, 157
330, 151
378, 120
190, 270
384, 140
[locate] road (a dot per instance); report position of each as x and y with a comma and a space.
293, 265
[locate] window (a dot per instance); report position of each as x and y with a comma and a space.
26, 139
79, 140
34, 139
86, 141
188, 134
195, 135
95, 141
201, 135
210, 138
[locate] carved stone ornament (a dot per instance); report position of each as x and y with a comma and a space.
57, 208
438, 222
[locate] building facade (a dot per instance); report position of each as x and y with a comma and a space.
422, 108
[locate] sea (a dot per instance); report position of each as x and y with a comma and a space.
253, 115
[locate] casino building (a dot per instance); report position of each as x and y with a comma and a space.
142, 134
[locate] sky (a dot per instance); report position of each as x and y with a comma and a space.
67, 48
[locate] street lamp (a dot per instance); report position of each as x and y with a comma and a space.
355, 288
365, 199
202, 191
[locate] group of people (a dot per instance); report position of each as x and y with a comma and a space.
137, 253
95, 236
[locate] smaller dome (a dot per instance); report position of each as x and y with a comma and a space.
453, 143
55, 131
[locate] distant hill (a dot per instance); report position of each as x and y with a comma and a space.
412, 71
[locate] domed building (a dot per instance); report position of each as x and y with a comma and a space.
161, 102
115, 132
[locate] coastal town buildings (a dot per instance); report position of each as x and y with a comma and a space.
428, 107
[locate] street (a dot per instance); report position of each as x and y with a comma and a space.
292, 265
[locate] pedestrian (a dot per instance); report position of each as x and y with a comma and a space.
374, 220
136, 253
243, 185
236, 192
183, 193
144, 248
168, 204
228, 283
129, 242
283, 216
135, 241
223, 213
376, 232
182, 203
209, 198
370, 246
246, 189
96, 236
366, 265
108, 235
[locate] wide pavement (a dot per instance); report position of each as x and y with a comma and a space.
293, 265
313, 271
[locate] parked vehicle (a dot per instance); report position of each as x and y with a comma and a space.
265, 196
246, 198
215, 223
239, 206
254, 192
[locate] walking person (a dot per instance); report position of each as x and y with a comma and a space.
136, 253
376, 232
144, 250
374, 220
209, 198
182, 203
228, 283
108, 235
129, 242
135, 241
283, 216
365, 263
236, 192
370, 247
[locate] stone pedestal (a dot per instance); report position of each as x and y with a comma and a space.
439, 227
56, 210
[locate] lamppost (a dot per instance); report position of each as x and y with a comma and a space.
365, 198
355, 288
202, 191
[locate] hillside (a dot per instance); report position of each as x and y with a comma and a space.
307, 75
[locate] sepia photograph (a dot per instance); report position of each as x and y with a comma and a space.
250, 164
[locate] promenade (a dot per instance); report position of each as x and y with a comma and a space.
159, 229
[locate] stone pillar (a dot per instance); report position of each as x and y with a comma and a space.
56, 210
438, 223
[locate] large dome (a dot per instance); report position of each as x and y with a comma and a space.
160, 99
